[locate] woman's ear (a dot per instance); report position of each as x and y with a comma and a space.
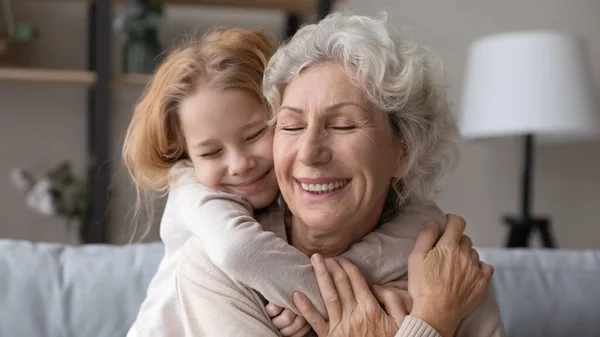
401, 161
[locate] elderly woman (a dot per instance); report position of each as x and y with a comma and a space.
356, 104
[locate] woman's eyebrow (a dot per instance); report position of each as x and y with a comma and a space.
328, 109
297, 110
341, 104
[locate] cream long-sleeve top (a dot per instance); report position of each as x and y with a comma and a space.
213, 304
204, 229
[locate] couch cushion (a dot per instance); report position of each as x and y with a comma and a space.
547, 293
54, 290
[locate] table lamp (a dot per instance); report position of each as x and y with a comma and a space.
532, 84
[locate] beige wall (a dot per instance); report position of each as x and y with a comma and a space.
51, 119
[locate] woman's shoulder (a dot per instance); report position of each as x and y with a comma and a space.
410, 219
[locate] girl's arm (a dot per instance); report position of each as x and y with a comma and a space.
236, 243
382, 255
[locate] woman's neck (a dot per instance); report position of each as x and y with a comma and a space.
311, 241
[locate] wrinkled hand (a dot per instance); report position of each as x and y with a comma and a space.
287, 322
351, 307
447, 281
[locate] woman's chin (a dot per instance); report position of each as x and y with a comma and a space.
321, 220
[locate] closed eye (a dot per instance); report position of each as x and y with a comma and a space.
212, 154
256, 135
350, 127
292, 128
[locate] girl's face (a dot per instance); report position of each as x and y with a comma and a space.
230, 144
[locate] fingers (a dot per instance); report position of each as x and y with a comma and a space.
326, 288
455, 227
475, 256
400, 284
303, 331
310, 314
466, 243
487, 270
401, 288
393, 303
273, 310
427, 237
360, 288
341, 282
285, 319
297, 324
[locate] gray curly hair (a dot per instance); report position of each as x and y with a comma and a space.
396, 75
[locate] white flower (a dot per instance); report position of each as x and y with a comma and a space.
40, 198
22, 179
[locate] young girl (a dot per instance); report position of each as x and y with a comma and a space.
200, 132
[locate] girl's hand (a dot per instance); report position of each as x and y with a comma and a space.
446, 279
394, 292
351, 307
287, 322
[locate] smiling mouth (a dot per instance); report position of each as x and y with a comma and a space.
325, 187
253, 181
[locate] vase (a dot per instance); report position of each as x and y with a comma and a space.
141, 52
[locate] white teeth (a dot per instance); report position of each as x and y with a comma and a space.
324, 188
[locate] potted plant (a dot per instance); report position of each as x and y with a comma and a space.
59, 193
139, 22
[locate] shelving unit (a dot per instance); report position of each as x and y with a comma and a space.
47, 76
99, 80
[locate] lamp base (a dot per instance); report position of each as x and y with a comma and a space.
521, 228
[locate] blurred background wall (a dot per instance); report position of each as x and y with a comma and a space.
42, 124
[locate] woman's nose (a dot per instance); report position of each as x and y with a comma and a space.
313, 149
240, 163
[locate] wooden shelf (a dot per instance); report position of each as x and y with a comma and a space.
33, 75
46, 75
293, 6
133, 80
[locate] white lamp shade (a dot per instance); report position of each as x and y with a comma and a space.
537, 82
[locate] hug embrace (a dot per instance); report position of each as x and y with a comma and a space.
300, 182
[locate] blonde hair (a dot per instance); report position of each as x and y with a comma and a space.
397, 76
222, 59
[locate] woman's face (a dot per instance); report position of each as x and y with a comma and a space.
334, 155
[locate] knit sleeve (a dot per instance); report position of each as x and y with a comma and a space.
484, 321
236, 243
416, 327
382, 255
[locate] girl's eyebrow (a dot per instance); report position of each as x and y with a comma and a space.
203, 143
210, 141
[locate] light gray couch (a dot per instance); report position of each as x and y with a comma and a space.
49, 290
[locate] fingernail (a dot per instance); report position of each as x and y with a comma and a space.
317, 259
298, 296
